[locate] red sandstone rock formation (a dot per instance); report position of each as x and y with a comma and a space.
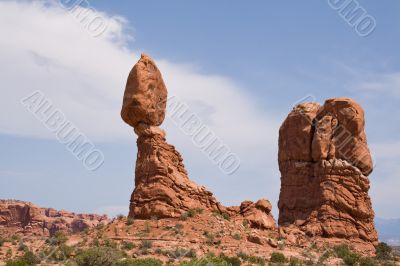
162, 186
325, 162
24, 217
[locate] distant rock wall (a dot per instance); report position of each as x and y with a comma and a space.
24, 217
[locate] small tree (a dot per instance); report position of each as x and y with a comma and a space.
383, 251
277, 257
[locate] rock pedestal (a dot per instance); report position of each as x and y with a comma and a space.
162, 187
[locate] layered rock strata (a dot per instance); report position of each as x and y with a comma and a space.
324, 162
29, 219
162, 187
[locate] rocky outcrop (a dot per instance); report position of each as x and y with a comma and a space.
258, 214
162, 186
24, 217
324, 162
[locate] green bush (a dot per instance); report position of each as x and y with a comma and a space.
277, 257
2, 241
62, 253
180, 253
98, 256
57, 239
17, 262
365, 261
140, 262
294, 261
211, 259
383, 251
257, 260
243, 256
349, 257
146, 244
27, 260
233, 261
342, 251
210, 237
236, 236
128, 245
130, 221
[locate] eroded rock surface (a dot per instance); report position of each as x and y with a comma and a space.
145, 95
29, 219
162, 186
325, 162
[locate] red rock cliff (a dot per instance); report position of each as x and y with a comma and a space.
324, 162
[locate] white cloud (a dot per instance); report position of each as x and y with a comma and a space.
388, 84
43, 47
85, 76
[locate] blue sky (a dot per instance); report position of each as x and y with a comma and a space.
239, 66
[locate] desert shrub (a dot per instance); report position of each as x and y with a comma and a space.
383, 251
128, 245
243, 256
233, 261
120, 217
17, 262
211, 259
223, 215
277, 257
181, 253
346, 254
366, 261
146, 227
226, 216
98, 256
22, 246
236, 236
257, 260
325, 255
146, 244
2, 241
57, 239
100, 226
177, 229
62, 253
27, 260
110, 243
351, 259
129, 221
342, 251
293, 261
140, 262
210, 238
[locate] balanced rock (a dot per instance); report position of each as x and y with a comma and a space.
145, 95
324, 162
162, 186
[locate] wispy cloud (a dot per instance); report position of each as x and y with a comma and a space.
85, 78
